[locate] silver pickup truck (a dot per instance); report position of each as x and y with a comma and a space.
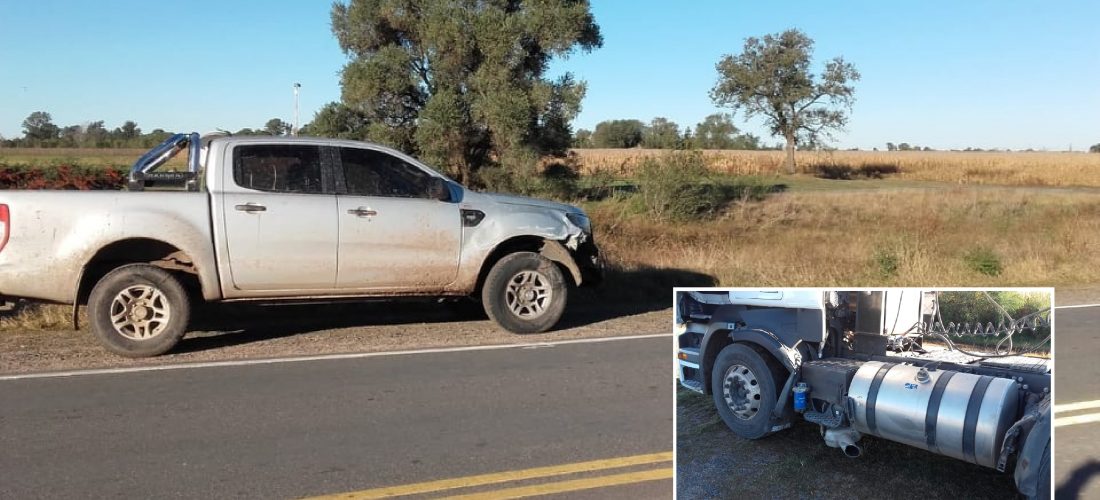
277, 218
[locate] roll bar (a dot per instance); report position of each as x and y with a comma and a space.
143, 173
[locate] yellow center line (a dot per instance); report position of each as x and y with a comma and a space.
502, 477
571, 485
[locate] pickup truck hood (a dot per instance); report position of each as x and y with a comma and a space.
508, 199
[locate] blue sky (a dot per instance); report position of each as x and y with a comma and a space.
1004, 74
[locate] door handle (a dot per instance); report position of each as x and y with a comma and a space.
362, 212
251, 207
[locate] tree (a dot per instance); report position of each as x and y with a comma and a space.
71, 135
39, 127
338, 121
661, 133
745, 142
771, 78
905, 147
276, 126
891, 146
461, 83
582, 139
618, 134
1095, 148
95, 134
716, 131
128, 130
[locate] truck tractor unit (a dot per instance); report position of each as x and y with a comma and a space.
855, 363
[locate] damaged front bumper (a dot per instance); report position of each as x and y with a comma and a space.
590, 262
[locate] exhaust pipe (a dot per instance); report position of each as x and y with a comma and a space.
844, 438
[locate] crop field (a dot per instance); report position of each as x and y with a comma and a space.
957, 167
100, 157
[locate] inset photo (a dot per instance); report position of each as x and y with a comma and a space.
863, 393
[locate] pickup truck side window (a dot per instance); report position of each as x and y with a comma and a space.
278, 168
373, 173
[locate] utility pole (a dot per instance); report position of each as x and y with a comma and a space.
296, 87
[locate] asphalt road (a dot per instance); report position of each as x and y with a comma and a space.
303, 428
1077, 428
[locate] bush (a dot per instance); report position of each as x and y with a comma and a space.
848, 172
678, 186
62, 177
556, 180
887, 262
983, 260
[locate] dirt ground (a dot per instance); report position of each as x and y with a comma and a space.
711, 462
238, 332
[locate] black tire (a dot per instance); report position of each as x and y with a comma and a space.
1042, 489
145, 291
520, 312
752, 389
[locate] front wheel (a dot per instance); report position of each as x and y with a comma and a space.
524, 293
743, 383
139, 310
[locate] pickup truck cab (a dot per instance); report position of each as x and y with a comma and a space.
286, 218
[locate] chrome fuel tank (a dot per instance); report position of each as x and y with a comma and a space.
956, 414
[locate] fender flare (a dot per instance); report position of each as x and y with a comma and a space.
556, 252
789, 357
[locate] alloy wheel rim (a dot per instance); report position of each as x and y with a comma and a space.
140, 312
528, 294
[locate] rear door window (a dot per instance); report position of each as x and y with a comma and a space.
278, 168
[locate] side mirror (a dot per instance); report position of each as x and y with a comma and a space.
438, 189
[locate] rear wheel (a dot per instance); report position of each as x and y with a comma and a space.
139, 310
743, 383
525, 293
1042, 491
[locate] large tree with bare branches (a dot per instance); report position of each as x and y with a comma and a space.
771, 78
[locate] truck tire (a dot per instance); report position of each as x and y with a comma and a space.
524, 292
744, 386
139, 310
1042, 490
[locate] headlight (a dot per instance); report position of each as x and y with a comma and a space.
580, 220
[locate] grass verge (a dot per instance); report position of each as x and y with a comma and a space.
712, 462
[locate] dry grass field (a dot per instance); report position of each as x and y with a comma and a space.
979, 168
962, 236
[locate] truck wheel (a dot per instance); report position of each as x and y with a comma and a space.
744, 388
524, 293
138, 310
1042, 490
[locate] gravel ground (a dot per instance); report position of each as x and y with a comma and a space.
239, 332
712, 462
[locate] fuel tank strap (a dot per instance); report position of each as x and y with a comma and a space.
934, 410
872, 394
973, 408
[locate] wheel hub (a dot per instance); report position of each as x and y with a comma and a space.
741, 391
528, 294
139, 312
